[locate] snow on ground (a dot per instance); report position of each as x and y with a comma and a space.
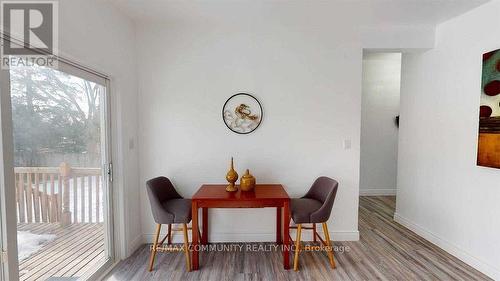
29, 243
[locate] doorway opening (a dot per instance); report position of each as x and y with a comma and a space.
381, 86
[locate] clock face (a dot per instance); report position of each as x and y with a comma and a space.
242, 113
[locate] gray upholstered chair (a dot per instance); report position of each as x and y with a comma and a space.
168, 208
314, 207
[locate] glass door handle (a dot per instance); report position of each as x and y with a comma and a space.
110, 171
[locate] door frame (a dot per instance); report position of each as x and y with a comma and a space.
8, 213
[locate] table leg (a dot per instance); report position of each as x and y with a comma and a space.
278, 226
204, 233
194, 230
286, 231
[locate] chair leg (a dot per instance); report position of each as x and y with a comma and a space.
297, 248
314, 233
186, 247
155, 244
169, 234
328, 244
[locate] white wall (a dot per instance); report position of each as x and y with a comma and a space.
310, 92
407, 38
95, 34
442, 194
306, 74
379, 134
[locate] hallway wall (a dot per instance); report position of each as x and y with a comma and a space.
379, 133
442, 194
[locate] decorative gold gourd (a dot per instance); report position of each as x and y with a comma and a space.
247, 182
231, 177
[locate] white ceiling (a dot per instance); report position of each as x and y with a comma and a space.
399, 12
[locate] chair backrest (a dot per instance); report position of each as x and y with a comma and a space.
324, 189
159, 190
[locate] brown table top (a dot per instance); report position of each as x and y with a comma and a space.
261, 192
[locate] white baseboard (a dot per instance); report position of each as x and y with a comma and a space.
258, 237
378, 192
449, 247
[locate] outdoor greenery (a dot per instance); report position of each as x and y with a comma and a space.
54, 114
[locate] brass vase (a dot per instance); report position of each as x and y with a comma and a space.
247, 182
231, 177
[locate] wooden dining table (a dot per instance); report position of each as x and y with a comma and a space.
264, 195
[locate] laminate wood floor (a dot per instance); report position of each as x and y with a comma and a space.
386, 251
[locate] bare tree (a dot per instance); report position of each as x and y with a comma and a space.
54, 112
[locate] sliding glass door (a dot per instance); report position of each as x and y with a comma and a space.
62, 182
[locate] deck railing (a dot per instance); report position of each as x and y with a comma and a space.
58, 194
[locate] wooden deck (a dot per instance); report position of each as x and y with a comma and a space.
76, 249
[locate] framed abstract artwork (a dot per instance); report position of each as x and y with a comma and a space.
488, 154
242, 113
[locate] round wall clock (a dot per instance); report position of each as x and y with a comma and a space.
242, 113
